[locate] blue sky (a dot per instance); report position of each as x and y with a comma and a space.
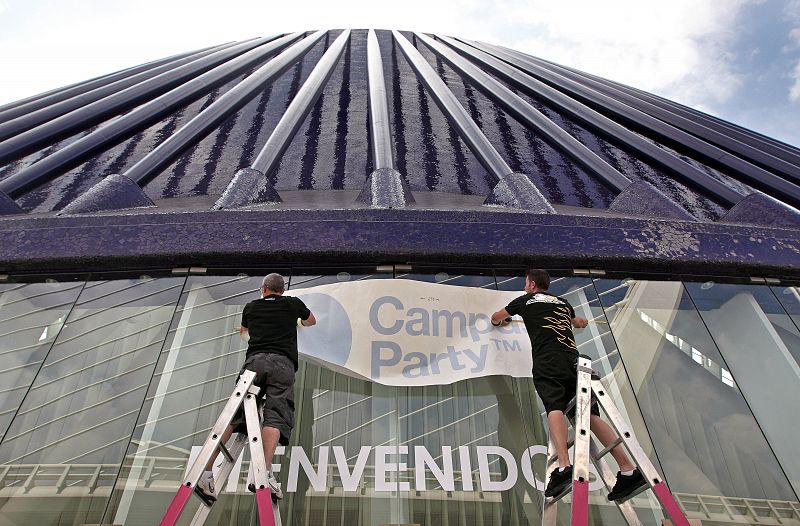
766, 57
737, 59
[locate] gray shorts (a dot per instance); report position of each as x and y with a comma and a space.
275, 377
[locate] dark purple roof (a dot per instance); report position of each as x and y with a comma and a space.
349, 124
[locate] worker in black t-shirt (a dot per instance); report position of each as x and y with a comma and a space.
269, 325
549, 321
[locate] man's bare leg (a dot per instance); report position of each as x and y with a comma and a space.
606, 435
270, 437
558, 434
226, 435
205, 486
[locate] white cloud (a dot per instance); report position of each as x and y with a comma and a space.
45, 45
792, 10
794, 91
794, 41
678, 49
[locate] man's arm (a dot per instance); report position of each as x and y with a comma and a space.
579, 322
243, 334
305, 318
501, 318
308, 322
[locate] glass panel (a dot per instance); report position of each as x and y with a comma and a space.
449, 276
704, 434
335, 415
467, 454
31, 316
351, 422
194, 378
761, 345
65, 445
339, 466
304, 278
444, 429
790, 299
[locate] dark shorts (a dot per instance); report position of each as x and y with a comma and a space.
275, 377
555, 378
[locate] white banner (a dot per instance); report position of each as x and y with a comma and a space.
403, 332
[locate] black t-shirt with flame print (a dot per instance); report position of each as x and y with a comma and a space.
548, 320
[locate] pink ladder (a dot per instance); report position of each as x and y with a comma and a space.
245, 394
589, 386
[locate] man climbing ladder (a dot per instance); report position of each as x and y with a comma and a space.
549, 321
269, 326
569, 389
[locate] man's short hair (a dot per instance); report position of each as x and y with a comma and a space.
540, 277
273, 282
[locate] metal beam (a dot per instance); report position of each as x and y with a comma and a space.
662, 158
724, 140
456, 114
50, 167
515, 190
48, 98
378, 109
96, 112
197, 128
524, 112
732, 166
32, 119
301, 104
643, 101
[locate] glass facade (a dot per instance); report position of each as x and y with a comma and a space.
108, 388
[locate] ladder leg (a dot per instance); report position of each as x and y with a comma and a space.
638, 455
580, 470
670, 505
209, 449
550, 504
220, 478
176, 506
266, 513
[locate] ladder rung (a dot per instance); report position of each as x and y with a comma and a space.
225, 452
552, 458
605, 451
635, 493
556, 498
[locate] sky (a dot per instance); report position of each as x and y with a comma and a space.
736, 59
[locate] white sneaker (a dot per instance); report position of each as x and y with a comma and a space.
274, 487
205, 489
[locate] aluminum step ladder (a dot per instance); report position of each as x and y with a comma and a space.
245, 394
589, 386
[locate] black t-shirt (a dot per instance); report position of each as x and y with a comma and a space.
548, 320
272, 324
